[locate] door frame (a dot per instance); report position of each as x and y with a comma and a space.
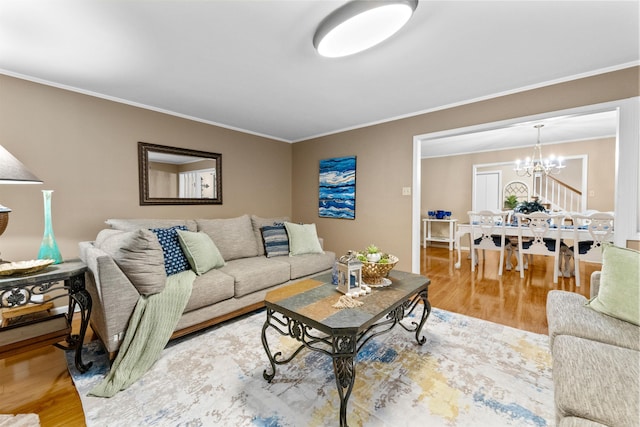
627, 185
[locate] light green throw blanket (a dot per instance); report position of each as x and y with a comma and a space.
152, 323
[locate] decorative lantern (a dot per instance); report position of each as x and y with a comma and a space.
349, 273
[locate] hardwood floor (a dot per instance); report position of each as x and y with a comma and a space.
508, 300
38, 381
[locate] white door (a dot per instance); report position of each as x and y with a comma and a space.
486, 196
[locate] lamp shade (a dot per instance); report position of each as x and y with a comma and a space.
12, 171
359, 25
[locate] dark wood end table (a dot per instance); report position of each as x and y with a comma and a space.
18, 291
304, 311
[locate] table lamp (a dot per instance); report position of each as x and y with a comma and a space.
12, 171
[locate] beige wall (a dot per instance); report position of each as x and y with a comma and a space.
447, 181
385, 151
85, 149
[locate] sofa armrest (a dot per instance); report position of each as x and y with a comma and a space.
114, 296
594, 284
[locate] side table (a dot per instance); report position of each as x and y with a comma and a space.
426, 232
17, 291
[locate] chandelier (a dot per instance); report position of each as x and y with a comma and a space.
537, 165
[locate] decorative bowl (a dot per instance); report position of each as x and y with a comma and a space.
374, 272
24, 267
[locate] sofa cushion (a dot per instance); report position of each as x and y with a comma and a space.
212, 287
619, 291
201, 252
568, 314
135, 224
276, 241
175, 260
138, 254
596, 381
256, 273
234, 237
259, 222
306, 264
303, 239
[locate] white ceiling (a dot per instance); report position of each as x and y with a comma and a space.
251, 65
555, 130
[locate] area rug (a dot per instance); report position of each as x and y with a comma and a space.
19, 420
470, 372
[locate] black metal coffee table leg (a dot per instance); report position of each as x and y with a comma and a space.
344, 349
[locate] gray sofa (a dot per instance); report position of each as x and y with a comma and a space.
237, 287
596, 363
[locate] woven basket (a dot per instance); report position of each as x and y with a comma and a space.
374, 272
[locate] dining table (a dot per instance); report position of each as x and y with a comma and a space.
567, 232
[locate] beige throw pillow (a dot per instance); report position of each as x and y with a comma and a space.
139, 255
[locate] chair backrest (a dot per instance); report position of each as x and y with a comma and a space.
545, 229
490, 226
600, 228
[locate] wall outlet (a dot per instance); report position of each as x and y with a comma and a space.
406, 191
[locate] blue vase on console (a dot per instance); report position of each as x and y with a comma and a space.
49, 247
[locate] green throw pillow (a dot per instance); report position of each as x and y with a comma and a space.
303, 239
619, 294
202, 253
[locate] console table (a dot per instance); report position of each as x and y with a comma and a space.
38, 289
426, 232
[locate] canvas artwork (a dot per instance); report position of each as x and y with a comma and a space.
337, 192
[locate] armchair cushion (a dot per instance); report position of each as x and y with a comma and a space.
619, 291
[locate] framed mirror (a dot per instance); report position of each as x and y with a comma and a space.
178, 176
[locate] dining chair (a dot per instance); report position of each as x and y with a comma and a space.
588, 246
539, 234
490, 227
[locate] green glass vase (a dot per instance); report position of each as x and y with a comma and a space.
49, 247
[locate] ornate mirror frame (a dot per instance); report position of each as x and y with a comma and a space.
172, 154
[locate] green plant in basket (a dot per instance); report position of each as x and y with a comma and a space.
372, 253
372, 249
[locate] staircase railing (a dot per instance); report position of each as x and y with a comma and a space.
559, 195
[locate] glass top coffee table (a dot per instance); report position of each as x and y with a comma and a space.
304, 311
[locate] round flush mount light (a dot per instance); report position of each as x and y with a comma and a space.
361, 24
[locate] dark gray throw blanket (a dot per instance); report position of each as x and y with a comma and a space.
153, 321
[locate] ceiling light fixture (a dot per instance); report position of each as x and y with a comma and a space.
537, 165
361, 24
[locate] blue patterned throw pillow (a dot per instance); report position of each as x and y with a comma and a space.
276, 241
175, 260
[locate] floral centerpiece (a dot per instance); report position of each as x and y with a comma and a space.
376, 264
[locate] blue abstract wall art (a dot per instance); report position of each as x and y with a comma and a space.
337, 192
